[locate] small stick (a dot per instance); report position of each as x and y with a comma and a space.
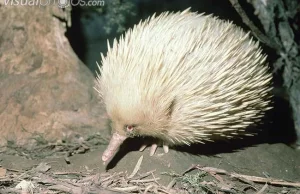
263, 189
144, 175
247, 177
89, 178
112, 176
126, 189
60, 188
266, 180
144, 180
148, 188
136, 168
154, 177
67, 173
14, 170
162, 190
171, 184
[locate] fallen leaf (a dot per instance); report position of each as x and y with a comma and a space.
2, 172
25, 186
43, 167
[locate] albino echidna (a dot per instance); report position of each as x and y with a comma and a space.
183, 78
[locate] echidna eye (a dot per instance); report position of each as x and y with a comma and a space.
129, 128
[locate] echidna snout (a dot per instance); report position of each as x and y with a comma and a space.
115, 142
184, 78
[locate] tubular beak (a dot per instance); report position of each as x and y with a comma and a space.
113, 146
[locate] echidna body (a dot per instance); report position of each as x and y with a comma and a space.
184, 78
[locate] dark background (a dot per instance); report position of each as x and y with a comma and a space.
88, 34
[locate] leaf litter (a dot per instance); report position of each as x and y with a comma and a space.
196, 179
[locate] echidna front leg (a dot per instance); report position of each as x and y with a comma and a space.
154, 147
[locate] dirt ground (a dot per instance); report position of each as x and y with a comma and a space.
74, 166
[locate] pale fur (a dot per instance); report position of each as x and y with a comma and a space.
184, 77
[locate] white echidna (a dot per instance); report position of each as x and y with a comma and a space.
183, 78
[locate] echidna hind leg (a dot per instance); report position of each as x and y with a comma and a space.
153, 148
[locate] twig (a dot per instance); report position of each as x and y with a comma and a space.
14, 170
92, 178
136, 168
144, 180
68, 173
144, 175
154, 177
263, 189
247, 177
256, 32
164, 191
127, 189
148, 188
112, 176
60, 188
171, 184
266, 180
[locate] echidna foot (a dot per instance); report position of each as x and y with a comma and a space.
153, 148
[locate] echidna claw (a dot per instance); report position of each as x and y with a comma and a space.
153, 148
142, 148
166, 148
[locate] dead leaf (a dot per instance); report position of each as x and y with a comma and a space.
43, 167
2, 172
